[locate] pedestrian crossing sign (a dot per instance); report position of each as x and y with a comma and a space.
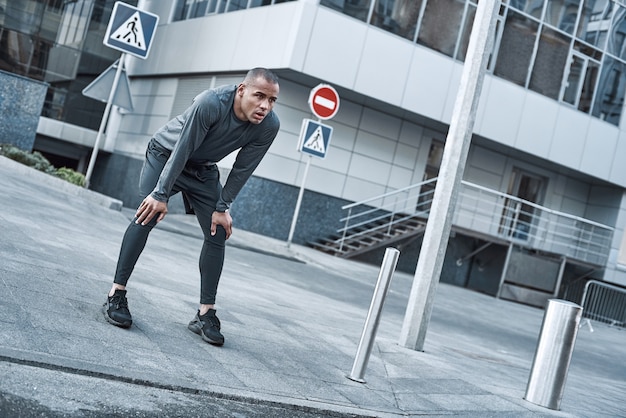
131, 30
314, 138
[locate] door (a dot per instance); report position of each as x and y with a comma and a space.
519, 215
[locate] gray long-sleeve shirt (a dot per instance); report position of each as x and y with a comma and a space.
206, 133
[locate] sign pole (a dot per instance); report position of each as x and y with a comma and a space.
299, 201
324, 103
437, 233
105, 118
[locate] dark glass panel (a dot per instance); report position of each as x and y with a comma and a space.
516, 48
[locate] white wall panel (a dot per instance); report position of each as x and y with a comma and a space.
275, 167
400, 177
286, 145
381, 124
576, 189
290, 119
343, 136
325, 181
476, 175
375, 147
599, 150
487, 160
428, 83
453, 92
503, 105
411, 134
369, 169
618, 166
405, 156
384, 66
259, 26
336, 159
334, 51
537, 121
569, 136
356, 189
349, 113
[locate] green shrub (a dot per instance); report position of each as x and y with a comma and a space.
31, 159
41, 163
71, 176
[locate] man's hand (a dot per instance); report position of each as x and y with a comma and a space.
223, 219
149, 208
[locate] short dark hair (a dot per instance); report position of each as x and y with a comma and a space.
257, 72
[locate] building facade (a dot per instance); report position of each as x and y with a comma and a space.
543, 204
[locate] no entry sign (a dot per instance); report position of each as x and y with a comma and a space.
324, 101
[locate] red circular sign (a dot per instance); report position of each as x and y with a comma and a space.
324, 101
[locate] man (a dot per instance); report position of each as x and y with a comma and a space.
182, 157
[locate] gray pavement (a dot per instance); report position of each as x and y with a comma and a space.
292, 318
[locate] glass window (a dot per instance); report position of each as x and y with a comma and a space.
562, 14
531, 7
574, 79
617, 36
595, 21
516, 48
466, 31
358, 9
15, 51
440, 25
550, 63
610, 95
397, 16
237, 5
257, 3
589, 86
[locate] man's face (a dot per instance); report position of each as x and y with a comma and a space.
255, 100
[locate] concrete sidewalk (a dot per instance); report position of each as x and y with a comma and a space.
292, 318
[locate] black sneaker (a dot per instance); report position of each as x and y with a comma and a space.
116, 311
208, 327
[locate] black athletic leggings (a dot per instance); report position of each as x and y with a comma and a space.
202, 188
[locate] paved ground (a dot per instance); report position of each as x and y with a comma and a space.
292, 318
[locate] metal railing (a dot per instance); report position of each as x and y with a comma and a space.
382, 213
604, 302
530, 225
487, 212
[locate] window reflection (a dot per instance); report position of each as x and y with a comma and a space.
466, 31
358, 9
531, 7
574, 80
397, 16
516, 48
617, 36
563, 64
589, 86
550, 63
595, 22
609, 100
562, 14
439, 30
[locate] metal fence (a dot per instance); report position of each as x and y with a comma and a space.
604, 302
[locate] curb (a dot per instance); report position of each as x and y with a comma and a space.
62, 185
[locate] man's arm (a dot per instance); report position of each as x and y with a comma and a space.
198, 119
248, 158
223, 219
149, 208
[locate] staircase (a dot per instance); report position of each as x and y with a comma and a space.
381, 221
491, 215
371, 236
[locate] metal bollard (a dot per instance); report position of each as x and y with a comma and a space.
554, 352
373, 316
